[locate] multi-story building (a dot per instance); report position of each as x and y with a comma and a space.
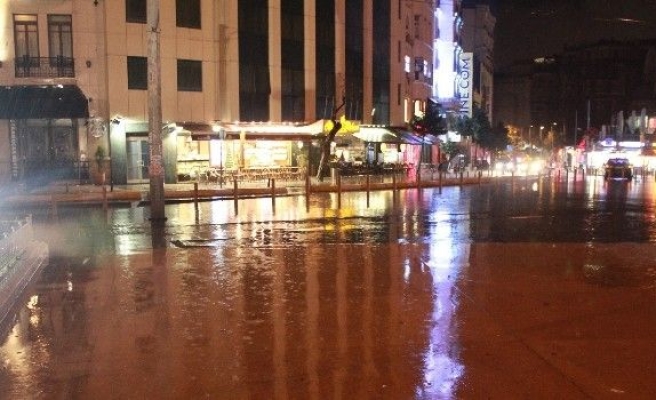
478, 39
447, 49
48, 84
76, 72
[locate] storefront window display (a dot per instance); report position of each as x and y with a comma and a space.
193, 157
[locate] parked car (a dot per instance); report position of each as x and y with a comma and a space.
618, 168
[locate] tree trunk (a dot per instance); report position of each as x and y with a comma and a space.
325, 145
325, 149
156, 169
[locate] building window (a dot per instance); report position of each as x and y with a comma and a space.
292, 60
187, 14
325, 57
60, 37
136, 11
190, 76
137, 73
26, 36
254, 73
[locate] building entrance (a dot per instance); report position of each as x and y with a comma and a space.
45, 150
138, 153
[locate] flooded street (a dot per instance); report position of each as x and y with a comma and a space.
535, 289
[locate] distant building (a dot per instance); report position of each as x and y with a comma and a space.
447, 48
478, 39
587, 86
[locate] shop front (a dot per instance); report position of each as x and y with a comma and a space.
46, 135
245, 151
396, 146
380, 150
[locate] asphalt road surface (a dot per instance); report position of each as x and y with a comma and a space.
531, 290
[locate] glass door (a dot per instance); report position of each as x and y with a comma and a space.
138, 151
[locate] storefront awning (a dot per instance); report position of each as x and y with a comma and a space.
390, 134
43, 102
254, 131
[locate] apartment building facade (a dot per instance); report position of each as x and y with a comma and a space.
81, 67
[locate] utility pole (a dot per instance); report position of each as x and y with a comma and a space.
156, 169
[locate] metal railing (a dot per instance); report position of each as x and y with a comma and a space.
15, 236
44, 67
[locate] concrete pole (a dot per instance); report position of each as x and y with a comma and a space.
156, 171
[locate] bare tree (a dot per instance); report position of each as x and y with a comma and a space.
330, 137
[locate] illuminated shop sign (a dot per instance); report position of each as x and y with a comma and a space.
465, 83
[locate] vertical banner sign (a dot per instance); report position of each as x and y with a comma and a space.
464, 84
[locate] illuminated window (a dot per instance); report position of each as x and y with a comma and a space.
406, 116
26, 36
60, 36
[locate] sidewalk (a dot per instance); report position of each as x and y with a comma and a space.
70, 192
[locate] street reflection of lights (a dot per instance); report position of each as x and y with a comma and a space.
442, 369
406, 271
32, 305
535, 186
125, 244
69, 286
33, 302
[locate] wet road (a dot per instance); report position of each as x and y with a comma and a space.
537, 290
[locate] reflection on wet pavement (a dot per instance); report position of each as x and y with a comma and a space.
361, 305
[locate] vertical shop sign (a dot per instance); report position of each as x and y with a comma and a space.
465, 83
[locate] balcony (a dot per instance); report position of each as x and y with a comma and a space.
45, 67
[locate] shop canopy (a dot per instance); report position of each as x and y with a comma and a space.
393, 135
303, 132
43, 102
254, 131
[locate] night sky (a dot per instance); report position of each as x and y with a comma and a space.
533, 28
